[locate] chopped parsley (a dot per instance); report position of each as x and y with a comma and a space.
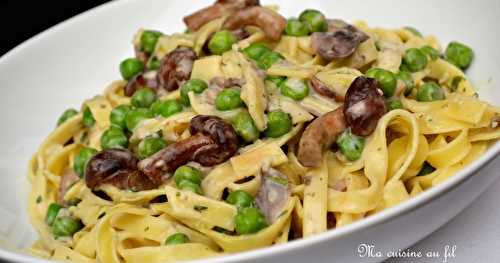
200, 208
455, 82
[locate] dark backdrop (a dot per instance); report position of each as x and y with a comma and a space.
22, 19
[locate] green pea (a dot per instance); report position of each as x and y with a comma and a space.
459, 54
131, 67
195, 85
430, 92
153, 64
67, 114
177, 238
386, 80
190, 186
249, 220
228, 99
413, 31
149, 38
166, 108
114, 138
245, 127
118, 116
431, 52
426, 169
294, 88
296, 28
278, 123
143, 98
149, 146
81, 160
135, 116
256, 50
268, 59
415, 59
407, 80
187, 173
314, 19
66, 226
52, 212
87, 118
221, 42
277, 80
394, 104
350, 145
240, 199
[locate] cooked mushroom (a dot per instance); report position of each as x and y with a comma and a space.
175, 68
340, 41
119, 168
224, 135
322, 89
142, 80
221, 7
68, 178
269, 21
364, 105
213, 142
273, 194
320, 135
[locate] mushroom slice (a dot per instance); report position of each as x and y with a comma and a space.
175, 68
116, 167
273, 194
339, 42
320, 135
213, 142
269, 21
221, 7
364, 105
162, 164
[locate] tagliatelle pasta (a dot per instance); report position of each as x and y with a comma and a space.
250, 130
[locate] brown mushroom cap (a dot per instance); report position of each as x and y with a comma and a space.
221, 132
117, 167
173, 156
340, 41
214, 141
175, 68
269, 21
319, 135
364, 105
219, 8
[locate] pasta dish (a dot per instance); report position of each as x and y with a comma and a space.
250, 130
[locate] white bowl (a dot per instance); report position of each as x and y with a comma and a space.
78, 58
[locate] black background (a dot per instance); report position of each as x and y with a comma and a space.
22, 19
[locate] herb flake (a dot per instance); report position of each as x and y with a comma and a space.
200, 208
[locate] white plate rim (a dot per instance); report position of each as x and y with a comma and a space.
379, 218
